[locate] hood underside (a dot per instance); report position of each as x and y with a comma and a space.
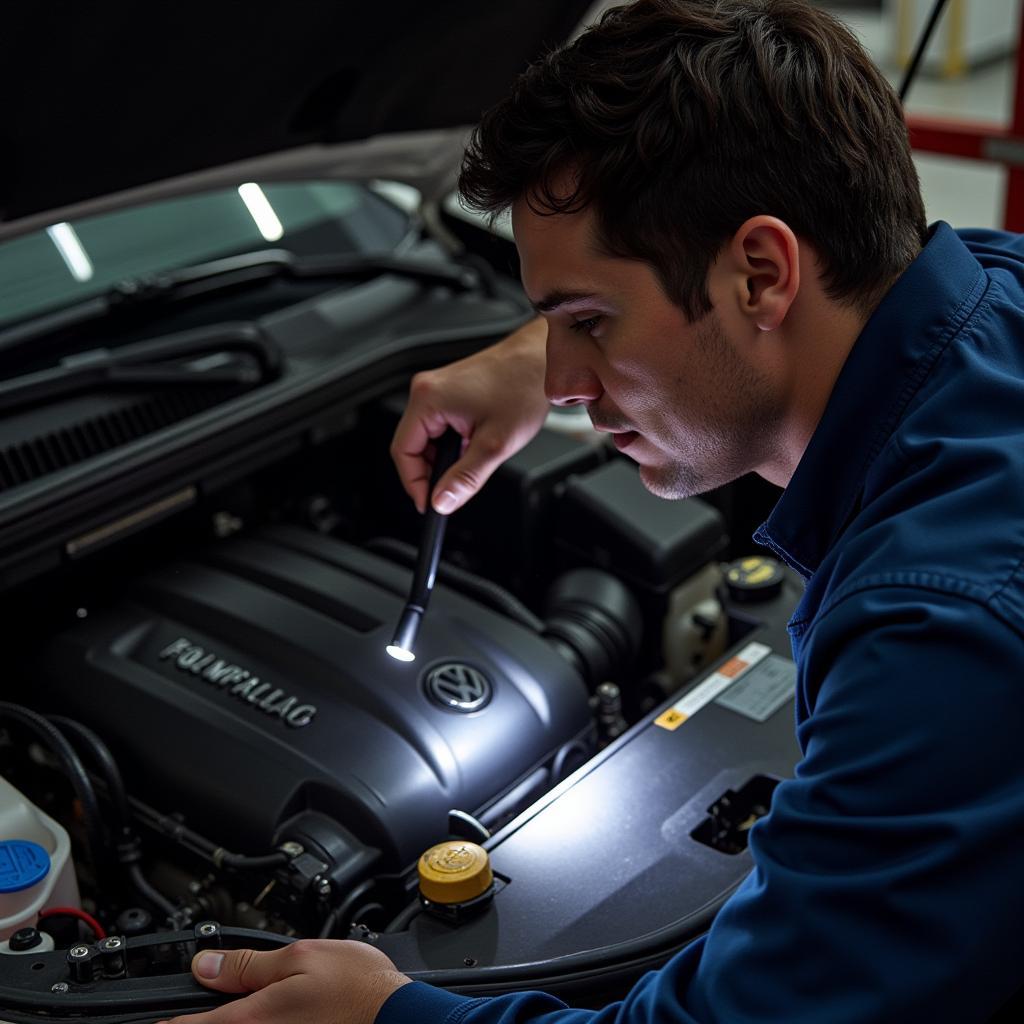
104, 101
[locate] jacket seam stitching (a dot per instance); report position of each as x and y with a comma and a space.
952, 588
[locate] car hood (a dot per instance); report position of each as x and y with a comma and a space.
107, 107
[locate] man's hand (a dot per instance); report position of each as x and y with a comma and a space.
312, 981
494, 398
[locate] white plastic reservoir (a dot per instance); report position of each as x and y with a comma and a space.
35, 863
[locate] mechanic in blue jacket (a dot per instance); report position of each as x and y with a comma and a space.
718, 217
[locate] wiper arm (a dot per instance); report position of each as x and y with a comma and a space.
175, 359
267, 263
236, 271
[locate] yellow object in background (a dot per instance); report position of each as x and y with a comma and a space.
969, 33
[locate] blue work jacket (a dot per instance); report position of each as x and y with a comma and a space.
889, 874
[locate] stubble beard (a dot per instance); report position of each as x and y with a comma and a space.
737, 435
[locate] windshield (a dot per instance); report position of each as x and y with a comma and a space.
73, 261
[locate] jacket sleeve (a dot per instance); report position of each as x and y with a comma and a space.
888, 879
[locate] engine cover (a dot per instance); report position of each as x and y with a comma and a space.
251, 684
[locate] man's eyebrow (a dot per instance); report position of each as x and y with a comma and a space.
553, 300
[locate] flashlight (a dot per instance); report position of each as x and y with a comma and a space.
446, 451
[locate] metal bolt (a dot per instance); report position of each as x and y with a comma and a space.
112, 943
60, 987
79, 951
291, 848
324, 887
470, 961
207, 930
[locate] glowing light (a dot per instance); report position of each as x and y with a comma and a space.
400, 653
70, 248
262, 212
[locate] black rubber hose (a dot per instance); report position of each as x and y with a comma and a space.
55, 742
466, 582
344, 909
217, 855
128, 847
105, 764
240, 860
401, 921
158, 899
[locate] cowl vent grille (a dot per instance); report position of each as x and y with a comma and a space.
45, 453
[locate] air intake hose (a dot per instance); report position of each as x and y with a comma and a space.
595, 622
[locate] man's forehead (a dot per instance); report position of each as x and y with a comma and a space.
560, 260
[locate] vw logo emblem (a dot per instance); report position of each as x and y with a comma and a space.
458, 687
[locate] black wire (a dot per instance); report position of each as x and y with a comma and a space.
922, 45
82, 785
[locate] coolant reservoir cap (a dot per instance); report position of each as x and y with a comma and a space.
22, 864
756, 578
455, 872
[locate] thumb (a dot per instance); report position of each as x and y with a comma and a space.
239, 970
483, 455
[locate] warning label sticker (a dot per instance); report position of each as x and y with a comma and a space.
763, 690
725, 676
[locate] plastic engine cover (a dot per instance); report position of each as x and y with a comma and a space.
252, 684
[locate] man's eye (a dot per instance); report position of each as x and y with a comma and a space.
585, 326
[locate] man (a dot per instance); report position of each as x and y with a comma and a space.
719, 221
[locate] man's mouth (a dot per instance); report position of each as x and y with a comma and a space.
623, 439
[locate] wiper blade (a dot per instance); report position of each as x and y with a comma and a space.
197, 357
237, 271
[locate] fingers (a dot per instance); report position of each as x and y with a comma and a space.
410, 447
495, 398
311, 980
243, 970
483, 455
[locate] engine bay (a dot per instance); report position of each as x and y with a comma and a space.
203, 734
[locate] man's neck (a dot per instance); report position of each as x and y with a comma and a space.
822, 334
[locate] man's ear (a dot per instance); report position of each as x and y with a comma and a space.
765, 258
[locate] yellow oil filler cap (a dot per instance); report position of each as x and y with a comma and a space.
455, 872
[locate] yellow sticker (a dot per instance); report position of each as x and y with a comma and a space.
670, 719
705, 692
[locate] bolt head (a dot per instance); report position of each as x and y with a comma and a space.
207, 929
293, 849
324, 888
112, 943
79, 951
60, 987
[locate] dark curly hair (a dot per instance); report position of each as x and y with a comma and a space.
677, 120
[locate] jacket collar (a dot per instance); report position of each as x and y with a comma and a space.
887, 365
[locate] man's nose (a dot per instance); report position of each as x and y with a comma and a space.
568, 379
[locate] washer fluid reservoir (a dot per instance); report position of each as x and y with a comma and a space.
36, 870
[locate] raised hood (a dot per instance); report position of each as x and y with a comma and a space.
105, 98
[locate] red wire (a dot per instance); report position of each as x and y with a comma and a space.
75, 912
